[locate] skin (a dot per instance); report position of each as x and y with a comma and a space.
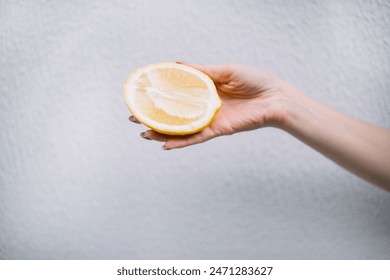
253, 98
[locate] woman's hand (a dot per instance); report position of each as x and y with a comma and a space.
250, 99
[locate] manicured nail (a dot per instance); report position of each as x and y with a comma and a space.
143, 135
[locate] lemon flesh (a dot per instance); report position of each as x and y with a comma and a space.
171, 98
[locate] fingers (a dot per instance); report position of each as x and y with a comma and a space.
177, 141
133, 119
184, 141
153, 135
218, 73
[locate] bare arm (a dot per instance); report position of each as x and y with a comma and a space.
361, 148
253, 98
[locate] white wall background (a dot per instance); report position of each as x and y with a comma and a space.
77, 181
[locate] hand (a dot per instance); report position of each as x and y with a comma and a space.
250, 99
253, 98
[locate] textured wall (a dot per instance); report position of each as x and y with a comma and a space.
76, 180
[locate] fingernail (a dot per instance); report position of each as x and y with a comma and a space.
143, 135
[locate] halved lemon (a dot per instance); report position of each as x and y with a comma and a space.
171, 98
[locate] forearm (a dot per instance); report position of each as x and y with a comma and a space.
361, 148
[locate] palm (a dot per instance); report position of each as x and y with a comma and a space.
237, 115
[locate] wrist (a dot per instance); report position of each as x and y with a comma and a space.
286, 105
300, 112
